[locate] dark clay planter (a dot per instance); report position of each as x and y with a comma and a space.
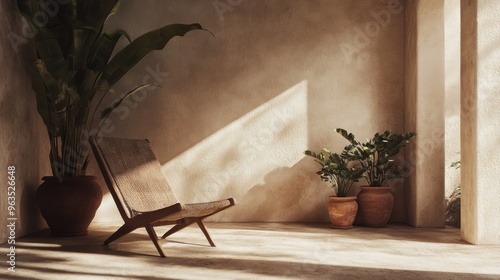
69, 206
375, 205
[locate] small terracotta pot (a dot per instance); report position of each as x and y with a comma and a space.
375, 204
342, 211
69, 206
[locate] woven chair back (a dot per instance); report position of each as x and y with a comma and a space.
135, 175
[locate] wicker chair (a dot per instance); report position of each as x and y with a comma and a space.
141, 192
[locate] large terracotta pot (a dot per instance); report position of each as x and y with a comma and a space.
375, 205
342, 211
69, 206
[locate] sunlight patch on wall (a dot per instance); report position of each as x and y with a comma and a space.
234, 159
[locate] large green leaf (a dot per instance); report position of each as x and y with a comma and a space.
82, 42
129, 56
51, 101
103, 48
86, 86
348, 136
90, 18
52, 85
108, 110
41, 100
48, 49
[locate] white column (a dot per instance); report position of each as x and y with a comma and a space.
480, 121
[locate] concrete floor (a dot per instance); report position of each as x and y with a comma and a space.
258, 251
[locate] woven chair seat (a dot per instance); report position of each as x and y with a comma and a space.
197, 210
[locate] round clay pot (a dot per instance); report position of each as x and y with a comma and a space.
375, 204
342, 211
69, 206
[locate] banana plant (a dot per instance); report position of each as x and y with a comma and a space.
376, 155
75, 69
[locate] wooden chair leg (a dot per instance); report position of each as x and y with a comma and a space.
154, 238
175, 229
205, 232
123, 230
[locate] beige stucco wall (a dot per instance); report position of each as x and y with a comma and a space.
480, 121
236, 111
22, 136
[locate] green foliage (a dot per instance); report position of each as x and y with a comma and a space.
337, 170
455, 164
376, 155
452, 215
75, 68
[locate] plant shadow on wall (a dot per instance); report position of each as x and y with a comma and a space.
283, 197
75, 68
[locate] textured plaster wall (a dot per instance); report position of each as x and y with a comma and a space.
236, 111
424, 101
21, 130
480, 121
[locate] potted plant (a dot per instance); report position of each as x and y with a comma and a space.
376, 157
75, 67
341, 174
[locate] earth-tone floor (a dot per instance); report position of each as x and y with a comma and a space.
258, 251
